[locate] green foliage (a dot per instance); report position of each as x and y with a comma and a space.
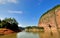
11, 20
31, 27
28, 27
9, 23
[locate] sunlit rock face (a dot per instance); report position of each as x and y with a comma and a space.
50, 19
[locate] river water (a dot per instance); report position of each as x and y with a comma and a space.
27, 35
24, 34
38, 35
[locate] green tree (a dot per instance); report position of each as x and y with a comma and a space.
10, 23
0, 23
11, 20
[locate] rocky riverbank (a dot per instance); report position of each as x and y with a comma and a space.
4, 31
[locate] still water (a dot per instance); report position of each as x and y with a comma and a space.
27, 35
33, 35
38, 35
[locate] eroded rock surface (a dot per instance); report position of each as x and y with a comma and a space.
51, 19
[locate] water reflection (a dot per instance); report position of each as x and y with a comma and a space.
9, 36
27, 35
49, 34
46, 34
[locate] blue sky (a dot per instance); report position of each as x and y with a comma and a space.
26, 12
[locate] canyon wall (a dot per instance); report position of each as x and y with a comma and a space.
50, 19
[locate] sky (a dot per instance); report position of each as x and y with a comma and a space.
26, 12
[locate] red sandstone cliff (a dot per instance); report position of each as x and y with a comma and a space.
50, 19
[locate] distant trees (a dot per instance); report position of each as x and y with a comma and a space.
34, 29
28, 27
31, 27
0, 23
9, 23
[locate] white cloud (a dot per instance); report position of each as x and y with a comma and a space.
21, 25
17, 12
12, 1
7, 1
1, 18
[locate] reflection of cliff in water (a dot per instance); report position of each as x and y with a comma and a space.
49, 35
46, 34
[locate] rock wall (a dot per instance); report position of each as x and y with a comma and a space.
50, 19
